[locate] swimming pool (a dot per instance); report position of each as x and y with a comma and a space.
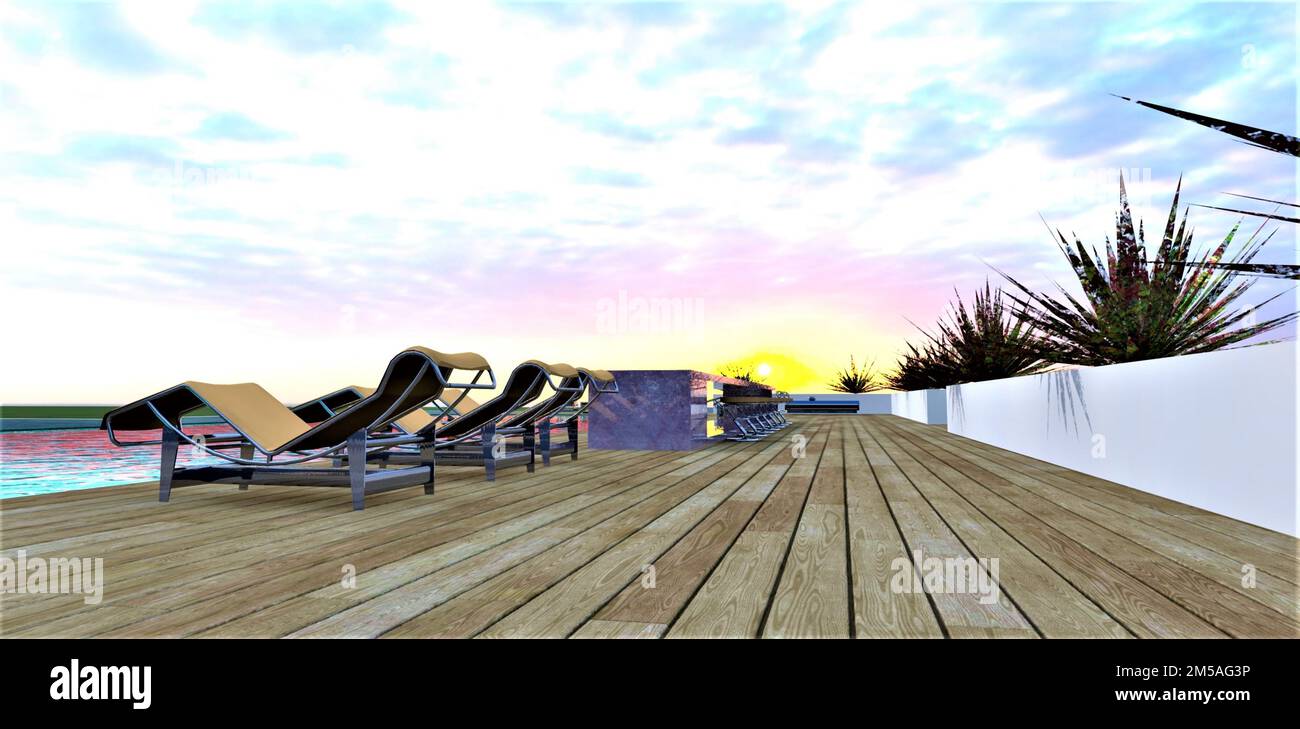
46, 461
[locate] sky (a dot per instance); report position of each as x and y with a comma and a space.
290, 193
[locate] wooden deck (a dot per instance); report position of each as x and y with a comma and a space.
736, 540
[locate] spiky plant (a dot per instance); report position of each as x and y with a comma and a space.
855, 380
741, 371
1138, 309
922, 368
988, 341
1254, 136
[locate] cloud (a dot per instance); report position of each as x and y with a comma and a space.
107, 148
97, 35
609, 178
307, 26
818, 173
237, 127
650, 13
611, 126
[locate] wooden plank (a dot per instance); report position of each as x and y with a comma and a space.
566, 605
1225, 608
963, 612
618, 629
1054, 606
106, 617
372, 614
683, 568
348, 536
1241, 532
780, 512
199, 505
733, 600
1168, 517
812, 595
1278, 595
476, 609
1142, 610
875, 546
743, 538
388, 563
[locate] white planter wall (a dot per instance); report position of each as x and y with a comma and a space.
924, 406
1215, 430
868, 404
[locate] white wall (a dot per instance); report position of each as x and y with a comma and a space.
868, 403
924, 406
1215, 430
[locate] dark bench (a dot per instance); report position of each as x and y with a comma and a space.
822, 406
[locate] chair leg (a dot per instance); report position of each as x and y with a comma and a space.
573, 440
357, 468
544, 436
246, 475
530, 445
167, 468
489, 457
429, 457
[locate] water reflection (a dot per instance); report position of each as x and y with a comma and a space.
42, 462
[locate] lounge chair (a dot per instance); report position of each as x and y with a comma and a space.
263, 424
481, 436
595, 383
538, 420
453, 402
755, 416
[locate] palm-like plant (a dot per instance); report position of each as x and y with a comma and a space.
741, 371
989, 341
855, 380
1256, 137
1138, 309
922, 368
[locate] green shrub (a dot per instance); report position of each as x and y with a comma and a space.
1137, 309
857, 381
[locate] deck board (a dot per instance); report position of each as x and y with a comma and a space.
811, 599
875, 546
1209, 582
963, 613
803, 534
1222, 606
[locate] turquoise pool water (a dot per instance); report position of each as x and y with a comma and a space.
42, 462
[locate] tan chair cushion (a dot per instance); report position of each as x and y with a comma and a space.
459, 361
253, 411
414, 420
417, 419
598, 375
559, 369
466, 403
